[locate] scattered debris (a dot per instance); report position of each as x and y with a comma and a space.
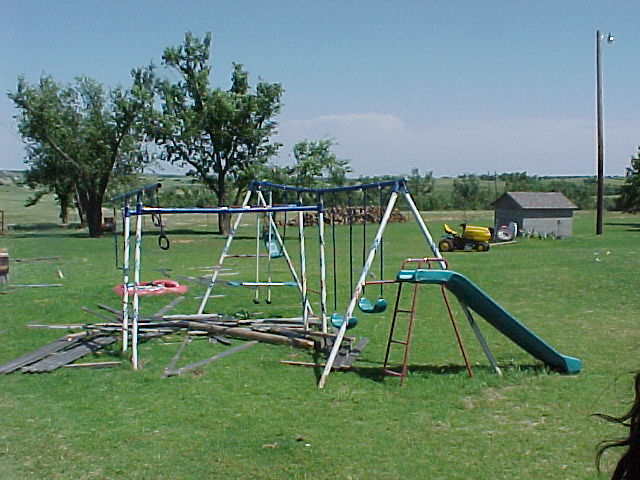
94, 364
206, 361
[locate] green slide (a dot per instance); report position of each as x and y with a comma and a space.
487, 308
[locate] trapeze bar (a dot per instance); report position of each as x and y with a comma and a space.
230, 210
397, 183
146, 188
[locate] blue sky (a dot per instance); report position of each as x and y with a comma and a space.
452, 87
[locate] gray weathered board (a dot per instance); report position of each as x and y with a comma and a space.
59, 359
39, 354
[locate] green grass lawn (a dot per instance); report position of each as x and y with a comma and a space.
249, 417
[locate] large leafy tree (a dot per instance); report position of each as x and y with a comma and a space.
315, 161
82, 133
223, 136
629, 199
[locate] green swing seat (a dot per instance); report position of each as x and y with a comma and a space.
366, 306
337, 320
272, 246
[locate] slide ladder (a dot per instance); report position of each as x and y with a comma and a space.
405, 340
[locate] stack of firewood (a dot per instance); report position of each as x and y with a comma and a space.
346, 215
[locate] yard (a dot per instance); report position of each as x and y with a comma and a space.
249, 417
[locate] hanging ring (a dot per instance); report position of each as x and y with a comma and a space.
163, 242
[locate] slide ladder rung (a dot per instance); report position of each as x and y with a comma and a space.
407, 341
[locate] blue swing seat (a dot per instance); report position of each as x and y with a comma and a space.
366, 306
337, 320
272, 246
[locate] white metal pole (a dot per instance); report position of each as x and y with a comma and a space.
358, 289
323, 273
303, 267
136, 283
256, 295
423, 227
483, 343
269, 216
125, 274
225, 250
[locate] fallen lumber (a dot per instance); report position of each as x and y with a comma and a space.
38, 354
58, 359
247, 334
93, 365
207, 361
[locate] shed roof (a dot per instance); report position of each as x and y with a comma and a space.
536, 200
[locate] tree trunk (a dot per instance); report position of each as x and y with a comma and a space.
224, 223
91, 205
224, 219
94, 222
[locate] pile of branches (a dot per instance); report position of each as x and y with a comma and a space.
346, 215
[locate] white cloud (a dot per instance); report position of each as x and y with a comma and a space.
385, 144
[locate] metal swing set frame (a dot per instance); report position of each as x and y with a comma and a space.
255, 202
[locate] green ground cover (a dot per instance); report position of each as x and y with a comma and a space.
249, 417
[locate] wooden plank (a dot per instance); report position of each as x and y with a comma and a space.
93, 365
207, 361
172, 363
170, 306
313, 364
38, 354
115, 311
57, 360
354, 353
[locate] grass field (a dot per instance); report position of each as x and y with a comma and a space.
249, 417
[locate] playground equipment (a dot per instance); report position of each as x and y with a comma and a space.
156, 287
310, 209
471, 297
130, 317
472, 238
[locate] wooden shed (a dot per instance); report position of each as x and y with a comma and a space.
547, 213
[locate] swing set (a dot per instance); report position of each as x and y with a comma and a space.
310, 208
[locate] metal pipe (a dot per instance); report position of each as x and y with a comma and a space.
422, 225
125, 275
136, 283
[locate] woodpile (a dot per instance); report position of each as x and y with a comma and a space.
345, 215
89, 338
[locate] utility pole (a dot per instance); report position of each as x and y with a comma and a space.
599, 134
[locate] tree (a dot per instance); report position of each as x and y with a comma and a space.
222, 135
629, 200
315, 161
468, 194
83, 133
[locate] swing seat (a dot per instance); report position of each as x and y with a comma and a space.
272, 246
366, 306
337, 320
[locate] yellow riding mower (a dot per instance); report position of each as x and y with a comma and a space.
472, 238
